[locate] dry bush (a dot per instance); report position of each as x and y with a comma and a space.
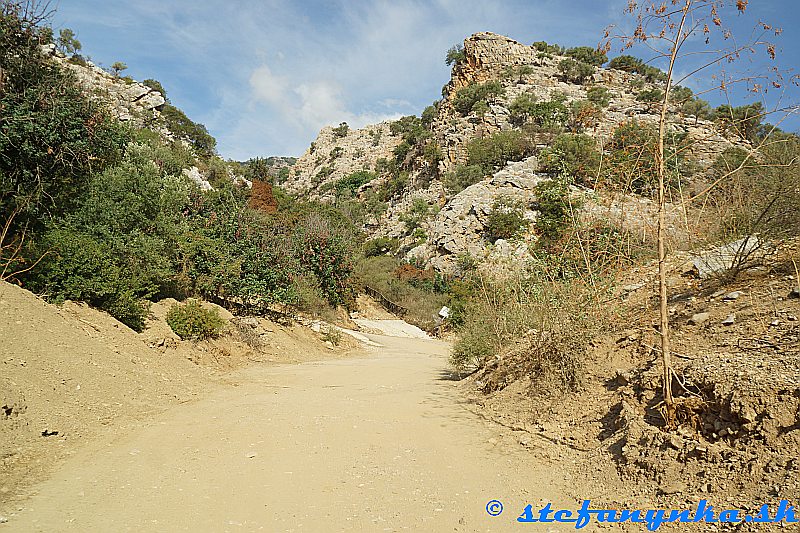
528, 326
756, 196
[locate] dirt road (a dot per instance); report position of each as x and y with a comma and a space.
373, 443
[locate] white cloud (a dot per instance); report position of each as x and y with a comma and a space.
268, 87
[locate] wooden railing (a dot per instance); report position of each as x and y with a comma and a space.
387, 304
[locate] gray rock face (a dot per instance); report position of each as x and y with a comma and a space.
722, 258
460, 227
127, 100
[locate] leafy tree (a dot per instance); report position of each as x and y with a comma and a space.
699, 108
576, 156
650, 96
549, 113
185, 128
495, 150
634, 64
587, 54
67, 42
468, 97
575, 71
455, 55
118, 67
544, 47
341, 130
744, 120
461, 177
51, 136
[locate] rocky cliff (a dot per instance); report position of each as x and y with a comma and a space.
127, 100
455, 222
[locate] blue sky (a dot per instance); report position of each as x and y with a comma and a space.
264, 76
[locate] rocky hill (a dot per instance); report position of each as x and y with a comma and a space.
408, 171
127, 100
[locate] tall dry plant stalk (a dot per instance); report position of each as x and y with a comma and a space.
665, 28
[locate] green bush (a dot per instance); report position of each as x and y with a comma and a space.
599, 96
461, 177
341, 130
650, 96
575, 71
380, 246
553, 205
548, 114
455, 55
191, 321
505, 220
467, 98
587, 54
572, 155
496, 150
416, 214
634, 64
118, 246
543, 46
52, 137
184, 128
351, 183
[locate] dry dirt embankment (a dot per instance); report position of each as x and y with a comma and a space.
69, 374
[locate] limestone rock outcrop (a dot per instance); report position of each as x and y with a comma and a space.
127, 100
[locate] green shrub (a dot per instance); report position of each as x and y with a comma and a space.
496, 150
744, 120
416, 214
650, 96
52, 137
634, 64
550, 113
553, 205
587, 54
455, 55
351, 183
118, 246
191, 321
322, 174
461, 177
325, 248
543, 46
380, 246
335, 154
505, 220
341, 130
575, 71
599, 96
429, 114
468, 97
156, 86
193, 132
572, 155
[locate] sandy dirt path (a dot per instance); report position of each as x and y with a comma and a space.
373, 443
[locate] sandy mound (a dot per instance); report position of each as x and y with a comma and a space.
69, 372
